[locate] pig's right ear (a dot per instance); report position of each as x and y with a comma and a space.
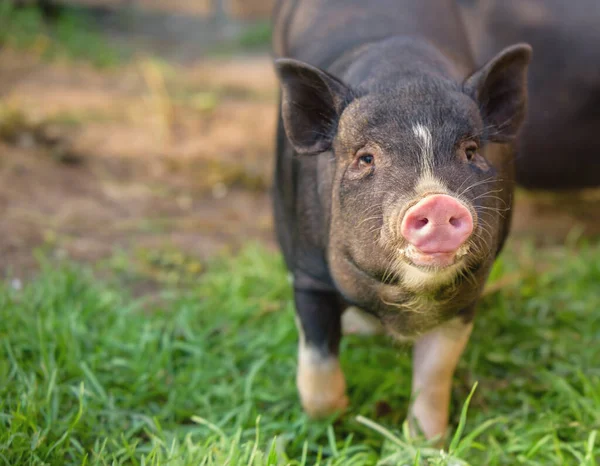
311, 104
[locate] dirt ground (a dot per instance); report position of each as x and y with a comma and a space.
148, 156
154, 157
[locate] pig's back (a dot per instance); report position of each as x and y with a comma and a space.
320, 31
559, 146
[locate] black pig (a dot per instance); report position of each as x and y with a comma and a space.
564, 83
393, 182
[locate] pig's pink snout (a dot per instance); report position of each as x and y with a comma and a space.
437, 224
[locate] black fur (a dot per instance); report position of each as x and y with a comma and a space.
559, 147
359, 76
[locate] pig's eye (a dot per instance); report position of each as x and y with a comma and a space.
470, 153
467, 151
366, 160
363, 164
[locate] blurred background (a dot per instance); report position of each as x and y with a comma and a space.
139, 134
145, 127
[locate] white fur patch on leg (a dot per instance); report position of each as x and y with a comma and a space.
357, 322
320, 382
435, 357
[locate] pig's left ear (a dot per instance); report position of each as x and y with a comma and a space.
500, 89
312, 102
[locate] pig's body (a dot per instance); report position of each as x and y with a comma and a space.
321, 32
559, 145
393, 210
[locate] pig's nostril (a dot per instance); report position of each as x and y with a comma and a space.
421, 223
455, 222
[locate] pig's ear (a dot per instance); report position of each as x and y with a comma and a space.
500, 89
311, 104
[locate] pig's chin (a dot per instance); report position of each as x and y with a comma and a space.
433, 261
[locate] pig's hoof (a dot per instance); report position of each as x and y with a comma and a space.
322, 406
431, 424
358, 322
321, 386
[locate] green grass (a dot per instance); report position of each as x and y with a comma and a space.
70, 36
257, 35
90, 375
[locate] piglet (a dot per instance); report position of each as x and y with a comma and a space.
393, 182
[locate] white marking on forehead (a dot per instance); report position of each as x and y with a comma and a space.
423, 135
427, 181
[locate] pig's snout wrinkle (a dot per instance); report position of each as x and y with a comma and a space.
437, 226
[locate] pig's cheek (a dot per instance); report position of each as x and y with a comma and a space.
320, 383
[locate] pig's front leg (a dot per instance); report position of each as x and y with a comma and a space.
435, 356
319, 379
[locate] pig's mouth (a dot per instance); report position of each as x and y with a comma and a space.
433, 261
